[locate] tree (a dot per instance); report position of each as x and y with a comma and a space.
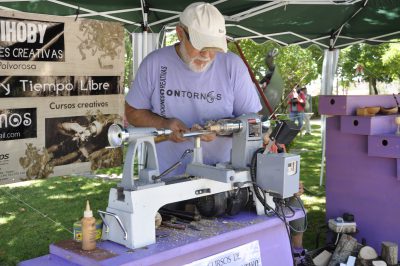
296, 65
128, 75
366, 61
392, 59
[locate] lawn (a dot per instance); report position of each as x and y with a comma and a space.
309, 148
36, 213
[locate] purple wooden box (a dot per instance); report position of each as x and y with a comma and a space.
387, 146
368, 125
347, 105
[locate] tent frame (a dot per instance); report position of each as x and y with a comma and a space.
232, 20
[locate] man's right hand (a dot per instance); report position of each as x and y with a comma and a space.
146, 118
178, 128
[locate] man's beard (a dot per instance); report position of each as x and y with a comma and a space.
190, 61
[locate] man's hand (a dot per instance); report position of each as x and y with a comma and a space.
205, 138
177, 127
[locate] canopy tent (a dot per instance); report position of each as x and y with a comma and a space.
327, 23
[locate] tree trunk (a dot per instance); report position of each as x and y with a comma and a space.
373, 90
374, 86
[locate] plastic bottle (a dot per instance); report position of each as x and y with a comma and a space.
88, 229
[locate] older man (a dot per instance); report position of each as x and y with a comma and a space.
189, 83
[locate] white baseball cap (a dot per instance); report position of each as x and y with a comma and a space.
206, 26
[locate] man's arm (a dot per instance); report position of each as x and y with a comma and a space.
146, 118
143, 117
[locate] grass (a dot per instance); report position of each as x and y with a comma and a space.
309, 148
36, 213
33, 216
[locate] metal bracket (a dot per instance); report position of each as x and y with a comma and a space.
102, 213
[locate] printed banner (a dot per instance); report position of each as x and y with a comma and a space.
245, 255
18, 124
61, 87
44, 86
27, 40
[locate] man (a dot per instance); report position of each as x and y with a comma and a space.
308, 111
296, 103
189, 83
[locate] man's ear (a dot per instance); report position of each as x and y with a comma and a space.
179, 32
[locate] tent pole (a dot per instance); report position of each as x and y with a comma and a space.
255, 81
329, 66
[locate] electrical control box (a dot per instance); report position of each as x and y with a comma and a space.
279, 173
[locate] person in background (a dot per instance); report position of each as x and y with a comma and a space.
307, 111
182, 86
296, 102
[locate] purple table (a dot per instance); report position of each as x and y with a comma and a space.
177, 247
362, 167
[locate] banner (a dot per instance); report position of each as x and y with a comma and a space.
61, 87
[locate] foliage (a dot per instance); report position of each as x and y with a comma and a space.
255, 55
171, 38
315, 106
296, 65
369, 59
128, 75
392, 59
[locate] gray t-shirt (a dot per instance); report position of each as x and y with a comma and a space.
166, 86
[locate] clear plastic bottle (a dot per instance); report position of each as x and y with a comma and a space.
88, 229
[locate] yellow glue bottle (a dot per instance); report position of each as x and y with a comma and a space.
88, 229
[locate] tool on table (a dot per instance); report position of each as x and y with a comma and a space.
189, 224
173, 225
190, 216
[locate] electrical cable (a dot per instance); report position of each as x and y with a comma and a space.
291, 210
253, 175
338, 234
290, 238
305, 216
279, 202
